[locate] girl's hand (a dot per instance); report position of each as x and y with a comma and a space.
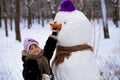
46, 77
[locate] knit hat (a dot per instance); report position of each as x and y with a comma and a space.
67, 5
28, 42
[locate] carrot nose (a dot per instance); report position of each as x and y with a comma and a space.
56, 26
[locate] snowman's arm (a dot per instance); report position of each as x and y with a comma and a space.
50, 45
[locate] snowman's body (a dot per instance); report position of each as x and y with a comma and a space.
76, 30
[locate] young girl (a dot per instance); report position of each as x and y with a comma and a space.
36, 62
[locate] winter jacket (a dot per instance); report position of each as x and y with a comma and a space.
32, 65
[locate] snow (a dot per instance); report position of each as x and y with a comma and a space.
107, 50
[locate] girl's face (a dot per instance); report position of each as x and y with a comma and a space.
34, 49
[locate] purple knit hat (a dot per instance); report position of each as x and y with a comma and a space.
29, 42
67, 5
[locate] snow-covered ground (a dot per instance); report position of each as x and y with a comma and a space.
107, 50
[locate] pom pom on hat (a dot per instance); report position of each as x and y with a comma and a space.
28, 42
67, 5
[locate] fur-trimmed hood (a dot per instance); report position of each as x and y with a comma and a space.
32, 57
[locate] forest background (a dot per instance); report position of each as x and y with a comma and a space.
44, 10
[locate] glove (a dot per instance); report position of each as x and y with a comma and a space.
46, 77
54, 35
54, 32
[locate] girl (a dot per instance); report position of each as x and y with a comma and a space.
36, 61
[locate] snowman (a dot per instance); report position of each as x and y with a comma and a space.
74, 58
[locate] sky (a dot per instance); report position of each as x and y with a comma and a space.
107, 51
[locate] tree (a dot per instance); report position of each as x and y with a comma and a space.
42, 17
28, 4
0, 14
17, 20
104, 17
51, 8
11, 15
116, 12
5, 16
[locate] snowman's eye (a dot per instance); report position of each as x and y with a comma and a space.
64, 22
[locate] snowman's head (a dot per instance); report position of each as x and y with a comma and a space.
75, 27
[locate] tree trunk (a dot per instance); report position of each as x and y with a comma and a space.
52, 9
38, 17
104, 17
29, 18
5, 17
28, 4
116, 13
105, 29
11, 16
42, 18
0, 13
17, 20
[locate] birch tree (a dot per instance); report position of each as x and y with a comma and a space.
104, 19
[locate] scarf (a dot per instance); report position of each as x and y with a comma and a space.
41, 60
65, 52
